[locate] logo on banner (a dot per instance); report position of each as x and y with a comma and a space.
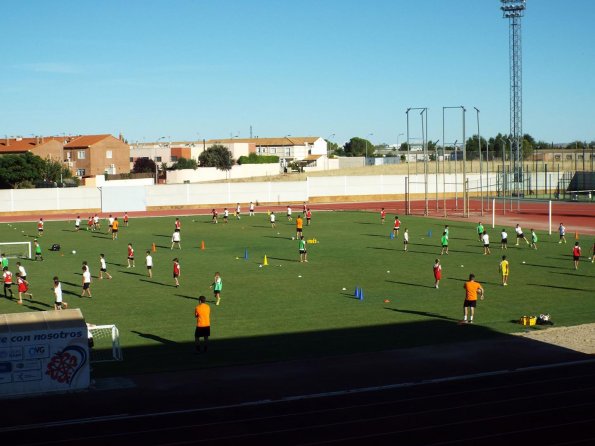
65, 364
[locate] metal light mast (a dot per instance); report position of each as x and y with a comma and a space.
513, 11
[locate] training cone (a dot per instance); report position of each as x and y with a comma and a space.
202, 245
576, 235
246, 254
361, 294
392, 236
153, 247
430, 233
265, 262
356, 292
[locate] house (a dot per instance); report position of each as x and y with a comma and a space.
44, 147
90, 155
288, 149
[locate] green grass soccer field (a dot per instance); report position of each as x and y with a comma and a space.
288, 309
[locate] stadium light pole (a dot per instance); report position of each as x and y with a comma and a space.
435, 144
155, 159
480, 166
465, 191
408, 146
424, 142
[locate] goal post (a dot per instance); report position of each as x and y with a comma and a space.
104, 343
16, 249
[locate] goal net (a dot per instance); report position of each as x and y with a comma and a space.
104, 343
16, 249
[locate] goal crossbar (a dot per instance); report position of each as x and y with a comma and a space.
104, 341
16, 249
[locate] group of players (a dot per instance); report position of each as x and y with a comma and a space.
473, 289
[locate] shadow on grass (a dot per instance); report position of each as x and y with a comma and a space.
108, 237
458, 279
277, 236
424, 313
132, 273
410, 284
161, 235
116, 264
560, 287
154, 338
437, 330
383, 249
158, 283
569, 274
186, 297
285, 260
377, 235
366, 223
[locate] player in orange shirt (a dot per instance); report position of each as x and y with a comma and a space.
115, 226
202, 313
472, 290
299, 226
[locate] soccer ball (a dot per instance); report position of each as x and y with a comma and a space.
73, 251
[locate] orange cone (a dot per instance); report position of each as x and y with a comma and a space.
576, 235
154, 248
202, 245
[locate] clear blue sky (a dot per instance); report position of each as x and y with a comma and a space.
189, 69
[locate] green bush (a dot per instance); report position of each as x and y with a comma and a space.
253, 158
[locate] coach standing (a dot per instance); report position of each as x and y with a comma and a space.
202, 312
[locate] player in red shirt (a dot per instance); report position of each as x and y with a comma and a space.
40, 227
576, 254
23, 287
382, 215
214, 217
7, 276
397, 226
126, 219
437, 273
130, 256
176, 271
177, 225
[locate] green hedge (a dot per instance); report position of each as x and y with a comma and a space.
253, 158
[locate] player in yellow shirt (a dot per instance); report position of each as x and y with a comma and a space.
299, 226
504, 270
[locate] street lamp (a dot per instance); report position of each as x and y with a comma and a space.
328, 140
480, 166
398, 137
366, 160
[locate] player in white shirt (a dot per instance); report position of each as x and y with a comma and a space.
503, 239
238, 211
77, 223
289, 214
486, 243
405, 239
562, 232
176, 240
251, 209
225, 215
272, 219
520, 235
110, 222
22, 271
86, 282
103, 268
58, 303
149, 263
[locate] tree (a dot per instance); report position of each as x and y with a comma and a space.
184, 163
472, 147
332, 148
143, 165
359, 147
216, 156
17, 169
404, 147
54, 171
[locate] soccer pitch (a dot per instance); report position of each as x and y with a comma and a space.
287, 309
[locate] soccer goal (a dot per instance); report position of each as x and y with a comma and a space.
104, 343
16, 249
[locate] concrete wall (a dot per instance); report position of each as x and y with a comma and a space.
132, 196
203, 174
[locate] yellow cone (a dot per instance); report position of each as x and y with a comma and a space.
265, 262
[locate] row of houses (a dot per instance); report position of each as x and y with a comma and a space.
90, 155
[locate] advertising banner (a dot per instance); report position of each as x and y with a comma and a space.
45, 351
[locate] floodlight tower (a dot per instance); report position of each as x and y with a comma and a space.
513, 11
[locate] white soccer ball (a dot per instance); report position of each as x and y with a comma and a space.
388, 271
73, 251
524, 261
462, 266
260, 266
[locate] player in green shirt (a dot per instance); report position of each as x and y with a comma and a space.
37, 250
302, 249
479, 231
533, 239
444, 241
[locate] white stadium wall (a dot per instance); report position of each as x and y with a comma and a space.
137, 198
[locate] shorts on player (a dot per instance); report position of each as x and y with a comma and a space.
103, 270
405, 242
77, 226
486, 245
299, 230
521, 235
202, 332
303, 251
176, 275
130, 257
470, 303
114, 231
86, 285
59, 305
504, 241
149, 267
576, 257
177, 230
445, 246
39, 229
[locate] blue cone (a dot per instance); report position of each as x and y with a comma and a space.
356, 292
392, 236
361, 294
430, 233
246, 254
